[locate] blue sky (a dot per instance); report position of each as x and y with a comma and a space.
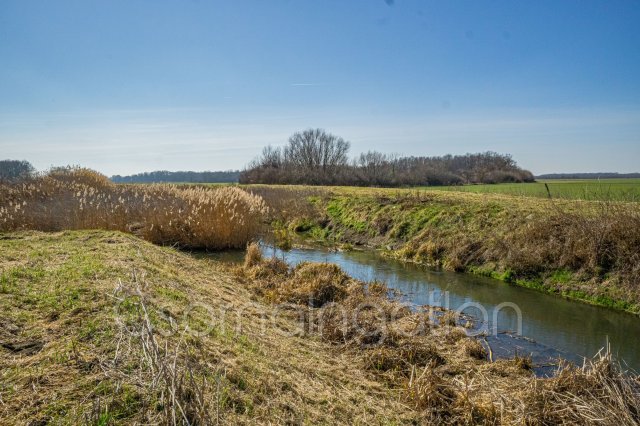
129, 86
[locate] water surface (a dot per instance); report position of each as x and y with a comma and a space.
559, 327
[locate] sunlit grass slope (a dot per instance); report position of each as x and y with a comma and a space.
104, 328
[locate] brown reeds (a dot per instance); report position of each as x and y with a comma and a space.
603, 239
75, 198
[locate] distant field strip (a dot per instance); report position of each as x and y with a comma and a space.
603, 190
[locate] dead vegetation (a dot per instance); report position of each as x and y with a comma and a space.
74, 349
442, 373
193, 217
595, 243
287, 203
174, 380
126, 336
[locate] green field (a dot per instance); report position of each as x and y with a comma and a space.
568, 189
579, 189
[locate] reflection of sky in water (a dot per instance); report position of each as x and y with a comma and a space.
571, 327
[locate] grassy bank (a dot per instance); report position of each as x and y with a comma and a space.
103, 328
588, 251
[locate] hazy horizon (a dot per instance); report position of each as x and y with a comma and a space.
128, 87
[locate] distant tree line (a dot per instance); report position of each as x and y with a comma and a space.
14, 170
590, 176
315, 157
163, 176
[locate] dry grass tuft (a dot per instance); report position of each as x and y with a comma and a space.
253, 256
400, 357
431, 392
474, 349
449, 318
523, 362
314, 284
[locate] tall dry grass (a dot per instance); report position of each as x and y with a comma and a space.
77, 198
598, 241
290, 202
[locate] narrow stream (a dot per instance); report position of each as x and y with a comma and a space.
550, 326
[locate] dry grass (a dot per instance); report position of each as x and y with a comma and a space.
287, 202
194, 217
595, 243
474, 349
253, 256
123, 337
133, 333
442, 373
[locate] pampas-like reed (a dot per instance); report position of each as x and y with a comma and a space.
76, 198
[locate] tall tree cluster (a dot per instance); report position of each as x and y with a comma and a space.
315, 157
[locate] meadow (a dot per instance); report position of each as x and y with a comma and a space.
578, 189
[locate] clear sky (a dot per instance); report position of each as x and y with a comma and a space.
133, 85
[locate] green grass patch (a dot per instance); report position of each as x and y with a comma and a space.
580, 189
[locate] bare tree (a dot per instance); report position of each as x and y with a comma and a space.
12, 170
316, 157
375, 167
317, 152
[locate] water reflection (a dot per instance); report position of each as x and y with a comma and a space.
575, 329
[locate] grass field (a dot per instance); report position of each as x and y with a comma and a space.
579, 189
567, 189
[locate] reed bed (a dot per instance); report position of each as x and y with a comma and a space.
190, 217
439, 371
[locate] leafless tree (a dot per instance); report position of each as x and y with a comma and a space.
316, 151
315, 157
12, 170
